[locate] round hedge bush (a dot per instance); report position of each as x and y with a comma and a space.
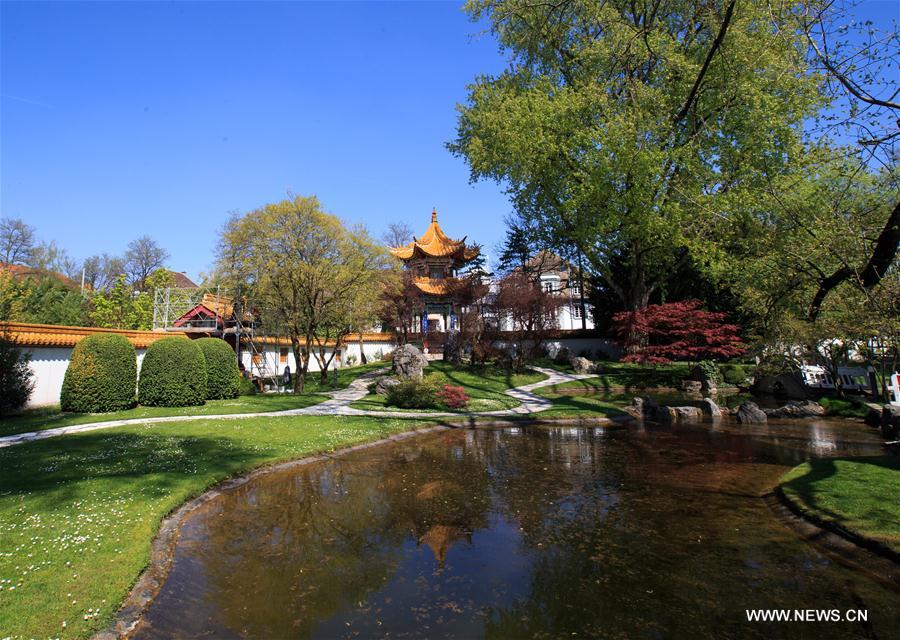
102, 375
223, 378
173, 374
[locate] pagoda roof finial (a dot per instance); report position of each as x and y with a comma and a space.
433, 214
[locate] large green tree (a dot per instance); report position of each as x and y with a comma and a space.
310, 277
623, 127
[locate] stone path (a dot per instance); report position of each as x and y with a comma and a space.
337, 405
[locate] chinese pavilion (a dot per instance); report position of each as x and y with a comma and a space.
434, 260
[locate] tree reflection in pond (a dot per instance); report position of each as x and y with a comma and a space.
575, 532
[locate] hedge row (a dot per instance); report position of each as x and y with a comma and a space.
223, 378
173, 374
176, 372
102, 375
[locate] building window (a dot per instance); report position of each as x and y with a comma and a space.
548, 287
576, 311
283, 355
437, 272
576, 289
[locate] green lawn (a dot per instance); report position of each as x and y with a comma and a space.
845, 407
485, 386
580, 405
860, 494
621, 375
50, 417
78, 512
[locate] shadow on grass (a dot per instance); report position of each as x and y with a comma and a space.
157, 462
824, 482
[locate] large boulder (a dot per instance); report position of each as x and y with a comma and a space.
785, 385
797, 409
688, 414
581, 365
710, 408
708, 385
691, 387
750, 413
409, 362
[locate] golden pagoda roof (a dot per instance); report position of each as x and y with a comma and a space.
436, 286
435, 243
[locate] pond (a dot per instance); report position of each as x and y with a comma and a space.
637, 532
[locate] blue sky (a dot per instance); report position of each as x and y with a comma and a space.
123, 119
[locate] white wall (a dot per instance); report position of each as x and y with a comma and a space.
273, 362
49, 364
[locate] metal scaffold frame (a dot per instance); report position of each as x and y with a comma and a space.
230, 319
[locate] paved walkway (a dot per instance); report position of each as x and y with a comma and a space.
337, 405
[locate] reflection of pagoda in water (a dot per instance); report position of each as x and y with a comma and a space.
440, 538
434, 260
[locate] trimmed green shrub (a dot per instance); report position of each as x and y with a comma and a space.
102, 375
247, 388
173, 374
734, 374
415, 394
223, 378
16, 382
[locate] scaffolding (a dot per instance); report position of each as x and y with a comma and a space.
211, 311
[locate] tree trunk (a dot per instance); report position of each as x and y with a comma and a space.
362, 351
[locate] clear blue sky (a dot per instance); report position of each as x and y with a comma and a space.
122, 119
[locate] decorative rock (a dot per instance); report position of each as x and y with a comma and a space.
784, 385
666, 415
687, 414
708, 386
384, 384
750, 413
710, 408
409, 362
873, 418
691, 386
798, 409
581, 365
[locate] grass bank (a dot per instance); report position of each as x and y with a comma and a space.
79, 512
484, 385
51, 417
858, 494
627, 376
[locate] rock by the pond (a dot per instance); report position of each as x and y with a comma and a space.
797, 409
710, 408
665, 414
785, 385
581, 365
750, 413
691, 386
385, 384
688, 414
409, 362
873, 418
708, 385
642, 407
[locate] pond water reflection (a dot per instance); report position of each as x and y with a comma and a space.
647, 532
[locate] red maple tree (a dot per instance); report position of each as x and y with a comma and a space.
661, 333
